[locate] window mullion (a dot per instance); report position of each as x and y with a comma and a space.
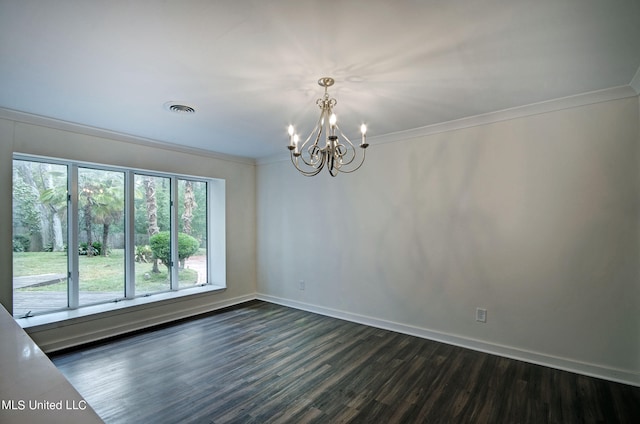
72, 247
174, 234
129, 234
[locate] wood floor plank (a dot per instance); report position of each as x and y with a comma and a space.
265, 363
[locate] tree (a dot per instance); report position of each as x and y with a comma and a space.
26, 216
161, 247
192, 208
101, 200
152, 212
57, 203
86, 202
47, 201
109, 206
189, 205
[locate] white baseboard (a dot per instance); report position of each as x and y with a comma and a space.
591, 370
71, 334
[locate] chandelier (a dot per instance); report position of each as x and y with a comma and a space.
337, 154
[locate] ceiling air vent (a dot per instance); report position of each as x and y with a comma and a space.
178, 108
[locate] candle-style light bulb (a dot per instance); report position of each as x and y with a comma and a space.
332, 123
295, 143
363, 130
291, 130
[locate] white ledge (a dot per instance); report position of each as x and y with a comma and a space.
88, 313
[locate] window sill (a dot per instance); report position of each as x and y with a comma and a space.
103, 310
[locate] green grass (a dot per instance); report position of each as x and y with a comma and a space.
35, 263
97, 273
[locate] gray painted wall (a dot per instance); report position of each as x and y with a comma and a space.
534, 219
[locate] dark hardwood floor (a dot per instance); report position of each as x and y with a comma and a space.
264, 363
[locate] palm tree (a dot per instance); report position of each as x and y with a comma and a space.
152, 212
51, 186
101, 199
189, 205
109, 206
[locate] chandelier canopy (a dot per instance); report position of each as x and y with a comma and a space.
338, 154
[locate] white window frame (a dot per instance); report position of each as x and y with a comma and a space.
216, 241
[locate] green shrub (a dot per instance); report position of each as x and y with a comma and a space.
161, 246
95, 249
144, 253
21, 243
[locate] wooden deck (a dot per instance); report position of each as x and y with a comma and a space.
32, 302
38, 301
37, 280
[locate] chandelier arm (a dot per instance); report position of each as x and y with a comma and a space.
351, 149
311, 163
331, 166
318, 131
364, 154
310, 155
316, 169
315, 156
317, 128
333, 171
294, 160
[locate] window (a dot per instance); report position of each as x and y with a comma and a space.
39, 237
91, 234
100, 222
152, 217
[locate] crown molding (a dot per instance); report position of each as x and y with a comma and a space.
279, 157
43, 121
569, 102
609, 94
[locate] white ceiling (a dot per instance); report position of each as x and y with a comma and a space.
249, 67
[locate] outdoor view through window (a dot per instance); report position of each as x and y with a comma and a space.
73, 241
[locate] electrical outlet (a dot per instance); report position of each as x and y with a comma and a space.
481, 315
301, 285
